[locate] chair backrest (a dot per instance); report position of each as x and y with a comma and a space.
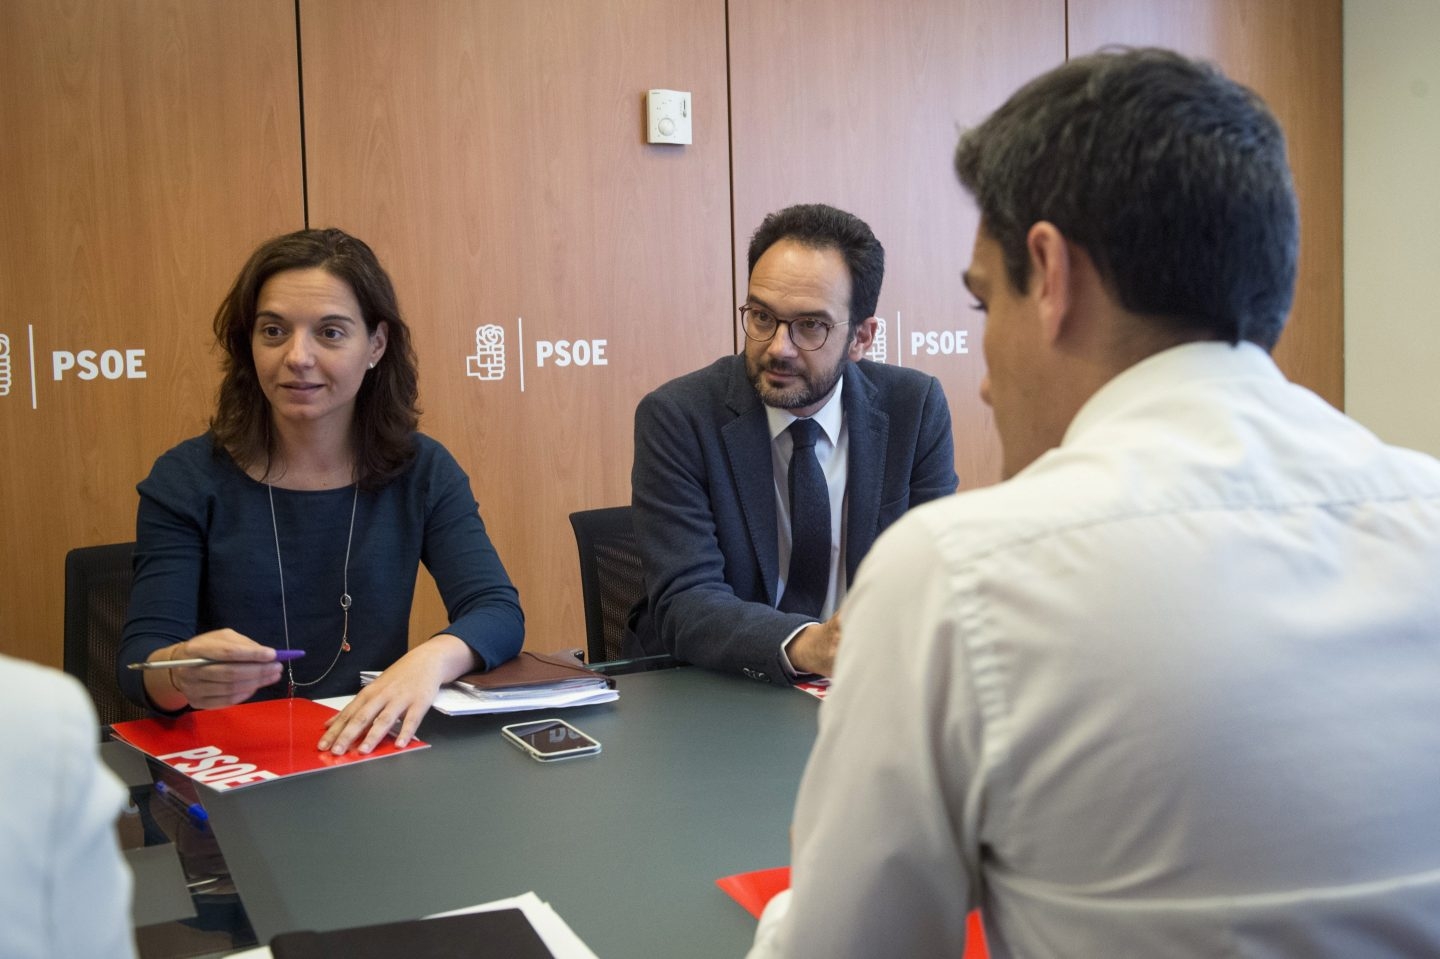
611, 578
97, 594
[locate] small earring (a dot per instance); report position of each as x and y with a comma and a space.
372, 364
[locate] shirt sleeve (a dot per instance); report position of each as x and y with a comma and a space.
89, 908
169, 555
481, 603
886, 822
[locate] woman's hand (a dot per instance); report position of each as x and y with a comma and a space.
247, 666
401, 694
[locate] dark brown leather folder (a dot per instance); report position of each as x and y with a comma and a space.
534, 669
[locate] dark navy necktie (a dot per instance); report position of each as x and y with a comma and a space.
809, 577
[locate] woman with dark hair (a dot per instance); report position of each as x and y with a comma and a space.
299, 520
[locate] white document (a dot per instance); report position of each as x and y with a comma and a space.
462, 699
457, 701
558, 937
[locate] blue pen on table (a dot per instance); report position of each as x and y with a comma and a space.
195, 812
281, 656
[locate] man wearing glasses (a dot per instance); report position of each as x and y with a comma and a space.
762, 480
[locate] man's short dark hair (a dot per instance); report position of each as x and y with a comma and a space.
1171, 176
823, 227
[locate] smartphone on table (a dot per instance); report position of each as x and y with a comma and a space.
548, 740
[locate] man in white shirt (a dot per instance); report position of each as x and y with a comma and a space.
1172, 688
64, 886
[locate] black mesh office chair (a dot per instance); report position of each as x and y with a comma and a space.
97, 594
611, 578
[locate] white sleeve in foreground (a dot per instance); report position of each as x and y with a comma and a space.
885, 823
90, 882
767, 934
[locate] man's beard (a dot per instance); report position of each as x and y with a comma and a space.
809, 390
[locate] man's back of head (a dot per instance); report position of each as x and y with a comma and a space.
1169, 174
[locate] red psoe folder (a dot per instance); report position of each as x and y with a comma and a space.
752, 890
246, 744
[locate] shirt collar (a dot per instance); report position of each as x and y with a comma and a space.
1187, 363
829, 417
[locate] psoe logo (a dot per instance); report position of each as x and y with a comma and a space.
879, 350
4, 365
488, 360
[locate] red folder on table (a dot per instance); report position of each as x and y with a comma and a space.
752, 890
246, 744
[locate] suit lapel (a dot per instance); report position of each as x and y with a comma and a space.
869, 427
747, 447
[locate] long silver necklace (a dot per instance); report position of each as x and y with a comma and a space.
344, 594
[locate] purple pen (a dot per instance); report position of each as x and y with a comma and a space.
281, 656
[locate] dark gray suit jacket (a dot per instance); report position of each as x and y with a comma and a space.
704, 498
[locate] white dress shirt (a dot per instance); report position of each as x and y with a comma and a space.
1174, 690
64, 886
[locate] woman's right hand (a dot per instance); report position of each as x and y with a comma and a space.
247, 666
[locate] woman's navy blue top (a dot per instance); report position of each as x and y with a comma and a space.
205, 558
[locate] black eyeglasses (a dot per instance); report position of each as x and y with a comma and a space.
806, 332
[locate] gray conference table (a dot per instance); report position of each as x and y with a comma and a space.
696, 780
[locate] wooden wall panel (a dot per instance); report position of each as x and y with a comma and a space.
493, 154
148, 145
862, 110
1290, 52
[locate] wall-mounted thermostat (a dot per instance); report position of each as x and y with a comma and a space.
668, 116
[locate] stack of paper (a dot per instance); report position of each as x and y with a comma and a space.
529, 681
558, 938
462, 699
556, 933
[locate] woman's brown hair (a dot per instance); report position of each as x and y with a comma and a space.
386, 411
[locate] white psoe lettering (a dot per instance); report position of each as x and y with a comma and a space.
571, 352
208, 764
202, 752
942, 343
111, 364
